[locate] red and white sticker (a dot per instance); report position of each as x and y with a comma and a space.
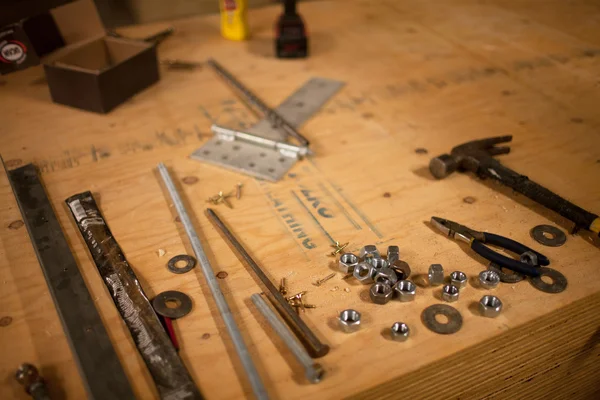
230, 5
12, 52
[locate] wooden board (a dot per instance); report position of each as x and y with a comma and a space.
419, 75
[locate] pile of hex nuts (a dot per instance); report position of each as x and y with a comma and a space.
388, 277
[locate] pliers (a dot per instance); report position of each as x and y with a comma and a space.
477, 239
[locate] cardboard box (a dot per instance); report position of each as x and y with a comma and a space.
102, 74
91, 70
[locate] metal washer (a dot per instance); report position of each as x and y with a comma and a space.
558, 237
160, 304
190, 263
454, 319
559, 281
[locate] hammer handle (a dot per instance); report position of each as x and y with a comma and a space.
492, 168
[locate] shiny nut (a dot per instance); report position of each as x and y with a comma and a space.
369, 251
364, 272
489, 279
436, 274
380, 293
400, 331
529, 258
405, 290
377, 262
348, 262
458, 279
349, 320
402, 269
386, 275
450, 293
393, 254
490, 306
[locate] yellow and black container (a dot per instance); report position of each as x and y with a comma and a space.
234, 19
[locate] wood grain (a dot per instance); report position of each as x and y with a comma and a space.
419, 75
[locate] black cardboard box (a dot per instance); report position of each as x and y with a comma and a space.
93, 71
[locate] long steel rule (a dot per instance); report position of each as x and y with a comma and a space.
98, 363
307, 337
276, 119
232, 328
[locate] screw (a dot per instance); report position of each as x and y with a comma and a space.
223, 199
238, 190
319, 282
282, 287
296, 296
338, 248
313, 371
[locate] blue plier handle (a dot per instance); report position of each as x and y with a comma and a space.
477, 239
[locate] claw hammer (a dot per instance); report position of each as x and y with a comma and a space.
477, 156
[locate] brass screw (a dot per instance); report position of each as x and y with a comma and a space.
238, 190
319, 282
338, 248
282, 287
297, 296
223, 199
220, 198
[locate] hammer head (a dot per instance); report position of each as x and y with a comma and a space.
467, 156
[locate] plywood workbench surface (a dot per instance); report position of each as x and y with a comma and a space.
419, 74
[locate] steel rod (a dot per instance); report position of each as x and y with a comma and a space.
306, 336
314, 371
232, 328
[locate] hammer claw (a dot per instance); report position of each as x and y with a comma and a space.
494, 151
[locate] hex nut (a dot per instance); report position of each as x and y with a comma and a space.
369, 251
364, 272
490, 306
489, 279
348, 262
405, 290
386, 275
436, 274
458, 279
380, 293
529, 258
400, 331
402, 269
377, 262
450, 293
393, 254
349, 320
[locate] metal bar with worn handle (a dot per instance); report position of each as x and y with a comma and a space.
167, 369
306, 336
492, 168
234, 332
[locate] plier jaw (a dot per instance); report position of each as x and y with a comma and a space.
455, 230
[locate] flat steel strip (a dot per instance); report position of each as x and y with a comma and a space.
98, 363
267, 163
299, 107
170, 375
